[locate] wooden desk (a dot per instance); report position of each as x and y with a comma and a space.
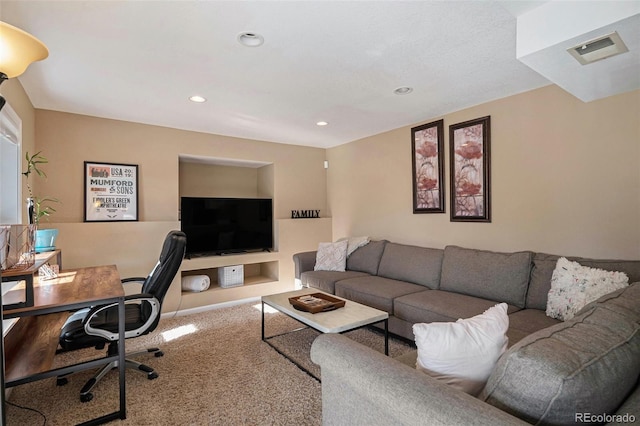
30, 346
74, 288
25, 296
40, 259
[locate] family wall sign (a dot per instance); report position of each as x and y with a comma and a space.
305, 214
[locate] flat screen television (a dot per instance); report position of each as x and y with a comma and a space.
216, 226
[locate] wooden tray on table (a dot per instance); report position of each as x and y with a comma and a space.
316, 302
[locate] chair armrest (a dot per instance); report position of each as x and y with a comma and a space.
303, 262
109, 333
133, 280
363, 386
132, 285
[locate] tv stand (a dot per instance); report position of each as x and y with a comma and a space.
261, 276
231, 252
225, 253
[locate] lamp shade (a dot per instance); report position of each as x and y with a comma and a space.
18, 50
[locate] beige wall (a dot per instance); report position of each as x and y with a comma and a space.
565, 179
210, 180
294, 176
70, 139
15, 96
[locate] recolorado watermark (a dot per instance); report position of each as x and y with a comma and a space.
604, 418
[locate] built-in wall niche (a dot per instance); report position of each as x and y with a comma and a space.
254, 273
223, 177
226, 178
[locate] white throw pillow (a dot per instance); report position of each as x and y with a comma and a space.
463, 353
331, 256
573, 286
354, 243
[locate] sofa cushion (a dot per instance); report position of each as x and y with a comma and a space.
631, 407
625, 301
409, 358
463, 354
376, 292
530, 320
326, 280
440, 306
585, 365
544, 264
366, 258
399, 327
414, 264
526, 322
502, 277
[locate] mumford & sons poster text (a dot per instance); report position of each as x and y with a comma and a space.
111, 192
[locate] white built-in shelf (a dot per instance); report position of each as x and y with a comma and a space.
260, 268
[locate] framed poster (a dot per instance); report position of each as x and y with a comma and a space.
110, 192
469, 145
427, 154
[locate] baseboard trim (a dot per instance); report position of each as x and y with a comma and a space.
209, 307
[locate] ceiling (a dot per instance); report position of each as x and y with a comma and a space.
333, 61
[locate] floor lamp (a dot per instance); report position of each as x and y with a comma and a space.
18, 50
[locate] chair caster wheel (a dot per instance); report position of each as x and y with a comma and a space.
61, 381
152, 376
86, 397
158, 354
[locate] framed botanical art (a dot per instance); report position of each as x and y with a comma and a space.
110, 192
470, 155
427, 149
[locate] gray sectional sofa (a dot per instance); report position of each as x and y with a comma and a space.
554, 372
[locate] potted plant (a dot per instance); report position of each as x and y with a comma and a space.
39, 208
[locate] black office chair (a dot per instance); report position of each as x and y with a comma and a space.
98, 325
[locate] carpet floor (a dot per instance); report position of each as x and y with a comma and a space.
216, 371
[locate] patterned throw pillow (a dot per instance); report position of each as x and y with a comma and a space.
573, 286
331, 256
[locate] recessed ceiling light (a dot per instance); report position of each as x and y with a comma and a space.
403, 90
198, 99
250, 39
321, 123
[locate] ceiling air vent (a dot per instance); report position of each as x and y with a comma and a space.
599, 48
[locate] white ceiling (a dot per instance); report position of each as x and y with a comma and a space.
337, 61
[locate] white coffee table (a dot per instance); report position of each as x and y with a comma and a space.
350, 317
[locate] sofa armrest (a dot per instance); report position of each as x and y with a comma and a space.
303, 262
362, 386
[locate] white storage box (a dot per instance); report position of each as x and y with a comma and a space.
231, 276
